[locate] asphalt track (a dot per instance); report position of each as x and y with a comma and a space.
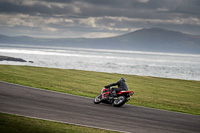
38, 103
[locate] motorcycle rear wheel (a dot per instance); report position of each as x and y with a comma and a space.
97, 100
121, 100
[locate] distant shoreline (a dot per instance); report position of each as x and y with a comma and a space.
7, 58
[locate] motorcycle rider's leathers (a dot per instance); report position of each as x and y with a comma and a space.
121, 86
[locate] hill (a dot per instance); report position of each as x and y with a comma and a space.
153, 40
160, 40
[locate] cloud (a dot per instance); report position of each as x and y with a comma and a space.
144, 1
74, 18
99, 35
99, 8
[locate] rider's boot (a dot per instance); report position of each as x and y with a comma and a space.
111, 94
114, 93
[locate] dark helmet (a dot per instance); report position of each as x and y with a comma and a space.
123, 79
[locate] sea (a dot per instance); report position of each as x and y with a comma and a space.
155, 64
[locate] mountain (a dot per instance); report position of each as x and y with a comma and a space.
153, 40
161, 40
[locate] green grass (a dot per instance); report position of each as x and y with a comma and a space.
19, 124
161, 93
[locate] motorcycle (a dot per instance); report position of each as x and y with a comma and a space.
121, 98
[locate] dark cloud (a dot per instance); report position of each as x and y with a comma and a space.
96, 8
35, 9
6, 7
104, 16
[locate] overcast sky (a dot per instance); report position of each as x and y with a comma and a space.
96, 18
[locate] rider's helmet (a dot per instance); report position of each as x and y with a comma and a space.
123, 79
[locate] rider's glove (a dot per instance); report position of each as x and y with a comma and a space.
107, 86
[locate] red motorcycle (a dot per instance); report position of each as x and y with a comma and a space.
105, 97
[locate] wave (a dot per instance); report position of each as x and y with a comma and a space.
54, 52
102, 50
93, 54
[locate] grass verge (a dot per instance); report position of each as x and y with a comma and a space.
161, 93
19, 124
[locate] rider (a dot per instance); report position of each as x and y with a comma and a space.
121, 86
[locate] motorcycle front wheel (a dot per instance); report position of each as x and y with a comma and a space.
121, 100
97, 100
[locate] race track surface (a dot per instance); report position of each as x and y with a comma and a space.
33, 102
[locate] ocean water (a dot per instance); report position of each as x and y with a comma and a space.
167, 65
